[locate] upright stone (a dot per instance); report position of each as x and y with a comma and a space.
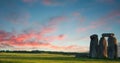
102, 47
115, 47
93, 46
112, 47
118, 50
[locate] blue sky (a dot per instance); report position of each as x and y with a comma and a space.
56, 25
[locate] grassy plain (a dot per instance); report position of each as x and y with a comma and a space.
48, 58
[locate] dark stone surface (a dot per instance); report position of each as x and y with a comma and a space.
107, 34
112, 47
102, 48
119, 49
93, 46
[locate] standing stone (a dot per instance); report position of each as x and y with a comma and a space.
119, 49
115, 47
112, 47
102, 47
93, 46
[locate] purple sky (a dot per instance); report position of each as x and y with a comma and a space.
56, 25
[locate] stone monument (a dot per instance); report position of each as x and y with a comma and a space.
112, 47
102, 47
105, 48
93, 46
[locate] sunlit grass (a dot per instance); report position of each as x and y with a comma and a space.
48, 58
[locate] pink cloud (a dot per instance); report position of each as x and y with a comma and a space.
101, 21
97, 24
57, 20
85, 38
82, 29
60, 37
50, 2
71, 48
53, 2
76, 14
29, 1
78, 17
85, 29
39, 37
57, 2
24, 40
46, 30
47, 2
93, 25
4, 35
31, 38
56, 38
29, 44
53, 23
5, 45
111, 16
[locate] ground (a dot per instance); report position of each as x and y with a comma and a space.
48, 58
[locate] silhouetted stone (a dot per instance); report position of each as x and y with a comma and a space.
116, 48
112, 47
102, 48
93, 46
119, 49
107, 34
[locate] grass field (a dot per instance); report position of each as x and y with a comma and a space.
48, 58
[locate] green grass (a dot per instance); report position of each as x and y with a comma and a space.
48, 58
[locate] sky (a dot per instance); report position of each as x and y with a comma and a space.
56, 25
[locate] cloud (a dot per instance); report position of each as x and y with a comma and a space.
4, 35
108, 18
5, 46
57, 20
50, 2
62, 36
85, 38
76, 14
44, 2
78, 17
56, 38
30, 1
71, 48
31, 40
53, 2
32, 37
89, 27
46, 30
